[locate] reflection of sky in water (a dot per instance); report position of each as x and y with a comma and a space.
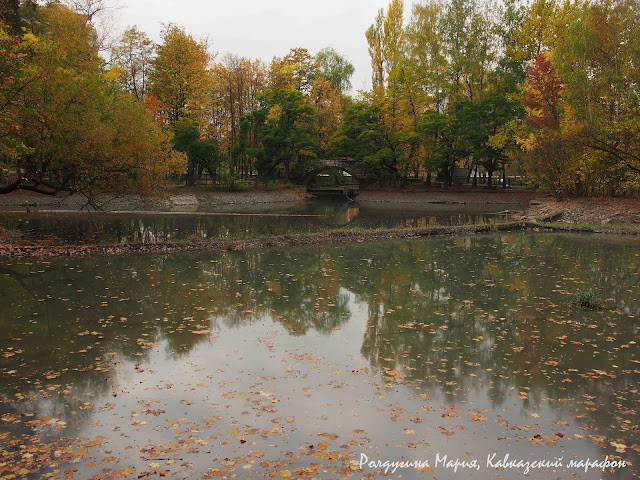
305, 217
404, 349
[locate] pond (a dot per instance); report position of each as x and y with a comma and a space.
238, 222
320, 362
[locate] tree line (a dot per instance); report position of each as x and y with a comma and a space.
549, 88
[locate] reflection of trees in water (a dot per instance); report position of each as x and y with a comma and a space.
461, 316
491, 314
146, 234
132, 305
125, 228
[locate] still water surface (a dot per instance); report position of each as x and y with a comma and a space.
262, 364
238, 222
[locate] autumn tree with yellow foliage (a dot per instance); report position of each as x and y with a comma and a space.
67, 125
551, 86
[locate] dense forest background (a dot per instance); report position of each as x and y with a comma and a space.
548, 89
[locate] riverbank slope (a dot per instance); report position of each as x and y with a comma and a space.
194, 199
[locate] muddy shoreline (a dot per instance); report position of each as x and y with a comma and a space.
194, 199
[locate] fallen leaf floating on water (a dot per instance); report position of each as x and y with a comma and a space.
620, 447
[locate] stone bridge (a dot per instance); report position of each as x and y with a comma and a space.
344, 164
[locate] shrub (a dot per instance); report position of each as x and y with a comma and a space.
587, 299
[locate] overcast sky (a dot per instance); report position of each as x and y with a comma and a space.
264, 28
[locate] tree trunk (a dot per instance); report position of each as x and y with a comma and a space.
446, 178
286, 171
475, 176
191, 174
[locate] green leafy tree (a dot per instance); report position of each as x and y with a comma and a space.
492, 115
385, 38
511, 69
336, 69
597, 61
202, 154
470, 46
397, 92
287, 136
248, 146
449, 137
363, 137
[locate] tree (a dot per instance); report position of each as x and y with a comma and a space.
248, 146
180, 76
470, 47
427, 53
64, 87
10, 14
597, 61
296, 71
16, 77
89, 8
449, 137
327, 105
544, 93
392, 47
119, 150
100, 14
336, 69
201, 154
396, 92
375, 39
385, 38
287, 136
550, 161
490, 144
132, 58
235, 88
511, 69
75, 130
536, 33
362, 136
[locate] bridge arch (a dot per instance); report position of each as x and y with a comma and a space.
317, 171
347, 165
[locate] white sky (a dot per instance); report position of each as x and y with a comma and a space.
266, 28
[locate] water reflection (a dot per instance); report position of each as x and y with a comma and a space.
476, 333
311, 216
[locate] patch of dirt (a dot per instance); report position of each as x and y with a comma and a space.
596, 211
451, 196
193, 199
170, 199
